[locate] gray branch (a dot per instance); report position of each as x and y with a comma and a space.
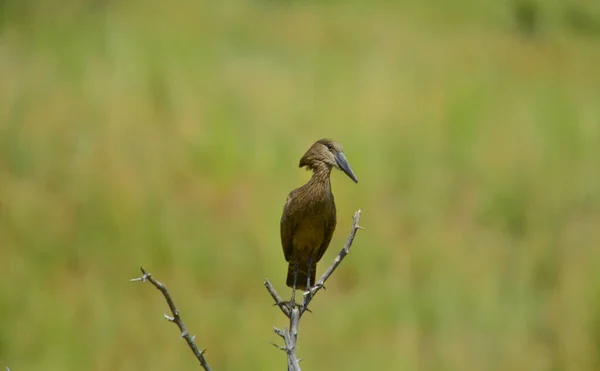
290, 336
175, 318
280, 303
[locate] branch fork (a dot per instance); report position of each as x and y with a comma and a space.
290, 336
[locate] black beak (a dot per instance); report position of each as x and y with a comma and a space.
342, 163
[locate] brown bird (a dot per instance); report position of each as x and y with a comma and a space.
309, 219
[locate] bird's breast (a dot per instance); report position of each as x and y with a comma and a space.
310, 230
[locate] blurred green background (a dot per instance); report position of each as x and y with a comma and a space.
168, 134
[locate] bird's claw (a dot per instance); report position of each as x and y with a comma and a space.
288, 303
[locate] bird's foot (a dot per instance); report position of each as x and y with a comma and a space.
283, 303
308, 294
311, 291
288, 303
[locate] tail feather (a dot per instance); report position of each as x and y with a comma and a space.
302, 275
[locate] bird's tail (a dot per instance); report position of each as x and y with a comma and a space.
302, 274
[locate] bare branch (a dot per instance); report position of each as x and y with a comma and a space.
294, 313
280, 303
175, 318
290, 338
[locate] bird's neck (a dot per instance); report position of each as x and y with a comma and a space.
320, 180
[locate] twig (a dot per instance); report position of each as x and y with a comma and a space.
290, 336
280, 303
175, 318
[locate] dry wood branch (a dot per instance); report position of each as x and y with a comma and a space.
278, 301
290, 336
175, 318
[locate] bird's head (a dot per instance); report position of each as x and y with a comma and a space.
330, 153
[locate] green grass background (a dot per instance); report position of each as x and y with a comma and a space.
167, 134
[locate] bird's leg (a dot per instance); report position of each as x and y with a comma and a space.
293, 300
308, 286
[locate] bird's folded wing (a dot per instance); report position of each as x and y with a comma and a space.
328, 229
287, 228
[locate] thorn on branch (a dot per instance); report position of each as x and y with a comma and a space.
143, 278
280, 347
279, 332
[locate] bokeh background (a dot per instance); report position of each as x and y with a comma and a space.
167, 134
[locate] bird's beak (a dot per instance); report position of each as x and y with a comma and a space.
342, 163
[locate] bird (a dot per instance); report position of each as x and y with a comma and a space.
309, 215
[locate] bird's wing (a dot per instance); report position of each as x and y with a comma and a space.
287, 228
329, 227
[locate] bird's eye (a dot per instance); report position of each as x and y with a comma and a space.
329, 146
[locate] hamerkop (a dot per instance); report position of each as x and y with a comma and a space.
309, 219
